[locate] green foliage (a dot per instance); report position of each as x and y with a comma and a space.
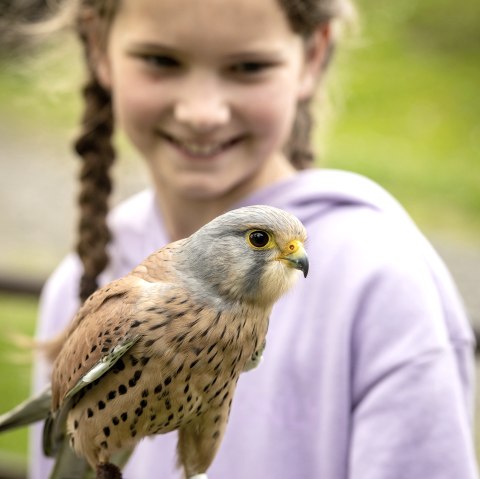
410, 114
41, 87
17, 318
437, 25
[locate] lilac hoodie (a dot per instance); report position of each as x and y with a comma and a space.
368, 368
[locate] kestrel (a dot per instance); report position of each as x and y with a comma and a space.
162, 348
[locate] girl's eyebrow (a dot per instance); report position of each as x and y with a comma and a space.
270, 54
254, 52
138, 45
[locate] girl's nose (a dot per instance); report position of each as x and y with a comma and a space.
203, 106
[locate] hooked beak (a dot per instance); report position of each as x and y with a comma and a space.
296, 256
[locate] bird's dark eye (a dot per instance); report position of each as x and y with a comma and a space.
258, 238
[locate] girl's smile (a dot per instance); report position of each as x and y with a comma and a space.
201, 148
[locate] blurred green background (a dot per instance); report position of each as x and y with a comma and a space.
411, 114
405, 101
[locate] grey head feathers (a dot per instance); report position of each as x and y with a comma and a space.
218, 259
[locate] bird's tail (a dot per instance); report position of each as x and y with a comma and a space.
32, 410
68, 465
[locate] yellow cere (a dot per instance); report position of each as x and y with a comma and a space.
293, 246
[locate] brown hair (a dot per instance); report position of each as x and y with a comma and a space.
95, 149
94, 144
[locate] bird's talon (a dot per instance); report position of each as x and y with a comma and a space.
253, 363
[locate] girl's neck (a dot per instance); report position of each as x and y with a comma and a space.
183, 215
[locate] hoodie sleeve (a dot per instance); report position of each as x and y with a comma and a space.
412, 357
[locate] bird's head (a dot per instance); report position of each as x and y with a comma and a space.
249, 254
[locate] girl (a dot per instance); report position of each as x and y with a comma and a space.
368, 368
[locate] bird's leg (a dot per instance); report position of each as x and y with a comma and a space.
255, 359
108, 471
198, 441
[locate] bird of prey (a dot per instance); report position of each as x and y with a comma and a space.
162, 348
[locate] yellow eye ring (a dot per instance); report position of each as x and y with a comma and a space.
259, 239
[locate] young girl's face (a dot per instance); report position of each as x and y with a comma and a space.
207, 90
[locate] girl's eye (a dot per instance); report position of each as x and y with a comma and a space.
160, 61
258, 239
250, 68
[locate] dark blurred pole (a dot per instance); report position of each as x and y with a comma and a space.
20, 285
13, 473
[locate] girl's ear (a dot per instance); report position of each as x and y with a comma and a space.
97, 48
101, 65
317, 48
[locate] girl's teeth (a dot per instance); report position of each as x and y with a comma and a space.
201, 149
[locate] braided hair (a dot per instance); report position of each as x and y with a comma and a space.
94, 144
95, 149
